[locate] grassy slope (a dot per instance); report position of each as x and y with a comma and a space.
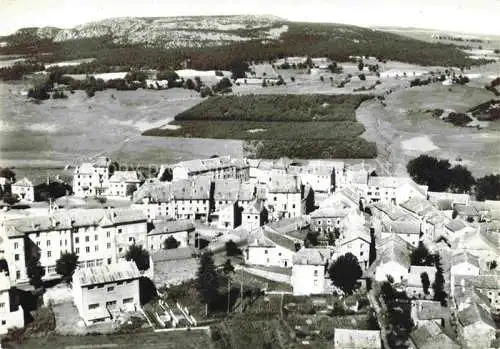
303, 126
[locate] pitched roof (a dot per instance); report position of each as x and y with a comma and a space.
411, 227
125, 176
226, 189
479, 240
287, 225
350, 194
125, 270
456, 225
25, 182
464, 257
418, 206
311, 256
284, 184
393, 249
430, 336
391, 211
431, 310
487, 280
280, 239
465, 210
255, 207
205, 165
154, 192
246, 191
329, 212
454, 198
192, 189
171, 227
386, 181
347, 338
474, 313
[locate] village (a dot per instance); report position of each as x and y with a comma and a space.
383, 260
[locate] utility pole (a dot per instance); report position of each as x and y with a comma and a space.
228, 293
241, 297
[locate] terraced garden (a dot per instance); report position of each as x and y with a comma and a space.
301, 126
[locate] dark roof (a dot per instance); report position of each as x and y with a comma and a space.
473, 314
174, 254
165, 227
280, 239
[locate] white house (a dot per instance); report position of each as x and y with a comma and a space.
356, 339
155, 199
408, 230
91, 179
320, 177
100, 293
192, 197
393, 189
11, 316
309, 271
215, 168
393, 259
122, 184
464, 263
476, 326
355, 240
269, 248
284, 197
254, 215
24, 189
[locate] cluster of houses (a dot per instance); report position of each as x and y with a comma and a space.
299, 216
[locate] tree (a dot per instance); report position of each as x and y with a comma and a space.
171, 243
430, 171
8, 173
309, 62
311, 239
421, 256
488, 188
424, 277
207, 282
373, 247
139, 255
388, 292
232, 249
238, 68
362, 77
34, 269
345, 272
493, 265
331, 238
66, 265
438, 285
227, 267
222, 85
170, 76
90, 92
190, 84
360, 65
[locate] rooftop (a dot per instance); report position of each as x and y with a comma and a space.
125, 270
464, 257
393, 249
311, 256
125, 176
192, 189
174, 254
284, 184
25, 182
154, 192
418, 206
362, 339
170, 227
430, 336
431, 310
474, 313
205, 165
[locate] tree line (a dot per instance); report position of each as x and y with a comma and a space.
439, 175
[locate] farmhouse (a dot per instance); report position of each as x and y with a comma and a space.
393, 259
122, 184
91, 179
284, 197
270, 248
192, 197
309, 271
408, 230
24, 189
102, 292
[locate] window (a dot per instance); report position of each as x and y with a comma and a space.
361, 253
96, 248
2, 305
16, 257
49, 254
110, 303
265, 251
87, 239
91, 287
119, 231
48, 242
95, 237
108, 245
275, 198
87, 249
110, 289
128, 300
18, 274
38, 243
93, 306
4, 322
108, 234
119, 283
293, 206
318, 222
16, 245
109, 260
77, 240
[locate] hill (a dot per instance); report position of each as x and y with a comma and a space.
214, 42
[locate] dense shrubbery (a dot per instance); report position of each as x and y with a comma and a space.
458, 119
18, 70
303, 126
276, 108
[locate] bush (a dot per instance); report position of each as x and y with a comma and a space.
362, 77
59, 95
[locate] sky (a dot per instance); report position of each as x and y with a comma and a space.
472, 16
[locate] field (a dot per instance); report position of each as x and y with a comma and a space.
403, 129
301, 126
59, 132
